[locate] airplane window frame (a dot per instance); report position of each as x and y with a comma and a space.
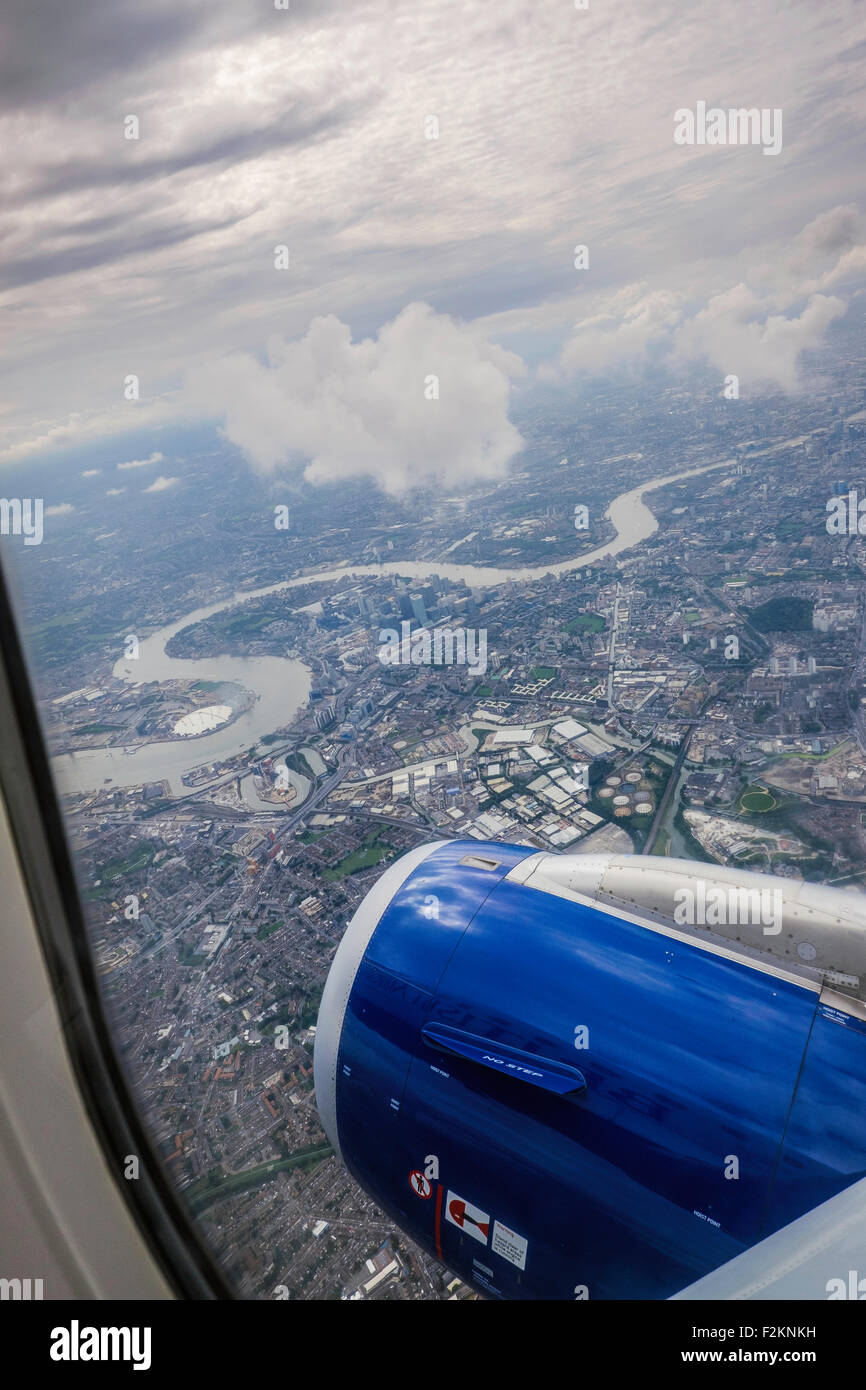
36, 821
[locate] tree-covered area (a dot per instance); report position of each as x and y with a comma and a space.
787, 614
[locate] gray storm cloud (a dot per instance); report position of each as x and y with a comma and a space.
426, 402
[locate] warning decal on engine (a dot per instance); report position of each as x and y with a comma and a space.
472, 1220
509, 1245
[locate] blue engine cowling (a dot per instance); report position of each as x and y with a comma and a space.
559, 1100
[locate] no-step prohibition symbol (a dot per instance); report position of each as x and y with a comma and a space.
421, 1186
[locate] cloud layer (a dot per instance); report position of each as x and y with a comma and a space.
425, 402
307, 127
757, 331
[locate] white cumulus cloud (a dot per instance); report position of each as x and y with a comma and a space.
637, 320
737, 334
757, 334
155, 457
371, 408
161, 484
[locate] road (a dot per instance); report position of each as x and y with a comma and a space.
611, 655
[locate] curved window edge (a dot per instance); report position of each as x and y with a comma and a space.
43, 852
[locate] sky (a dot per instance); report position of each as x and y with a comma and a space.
429, 168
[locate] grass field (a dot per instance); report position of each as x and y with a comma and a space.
586, 622
131, 863
264, 932
367, 857
757, 799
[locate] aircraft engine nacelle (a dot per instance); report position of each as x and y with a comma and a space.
595, 1076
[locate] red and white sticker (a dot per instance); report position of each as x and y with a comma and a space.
466, 1217
421, 1186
